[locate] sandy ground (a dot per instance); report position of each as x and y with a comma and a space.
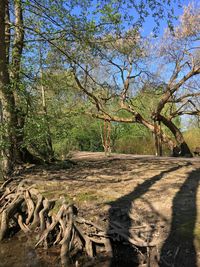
157, 199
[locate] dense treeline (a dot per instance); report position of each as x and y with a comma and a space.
73, 129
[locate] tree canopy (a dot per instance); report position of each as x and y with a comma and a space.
68, 68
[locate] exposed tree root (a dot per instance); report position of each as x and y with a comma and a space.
23, 207
8, 214
6, 183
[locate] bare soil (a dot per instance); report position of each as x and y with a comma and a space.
156, 199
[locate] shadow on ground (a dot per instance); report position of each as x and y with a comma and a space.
178, 249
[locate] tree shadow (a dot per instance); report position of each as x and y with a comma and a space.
178, 249
124, 254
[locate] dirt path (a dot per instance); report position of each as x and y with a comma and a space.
157, 199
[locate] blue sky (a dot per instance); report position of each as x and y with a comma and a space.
149, 23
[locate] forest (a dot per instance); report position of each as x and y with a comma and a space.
108, 81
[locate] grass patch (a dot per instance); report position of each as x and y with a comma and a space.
86, 196
52, 194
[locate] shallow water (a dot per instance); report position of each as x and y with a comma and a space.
19, 251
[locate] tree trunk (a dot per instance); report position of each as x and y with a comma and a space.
178, 148
15, 69
6, 99
182, 148
49, 145
158, 133
106, 137
158, 139
11, 119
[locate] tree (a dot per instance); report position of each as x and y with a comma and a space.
182, 52
6, 96
13, 92
124, 55
11, 54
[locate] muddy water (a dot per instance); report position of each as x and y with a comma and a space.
19, 251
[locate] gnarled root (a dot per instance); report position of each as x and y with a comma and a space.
7, 214
26, 208
67, 234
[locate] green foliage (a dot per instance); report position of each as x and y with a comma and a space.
4, 139
87, 196
135, 145
84, 134
192, 137
134, 139
35, 134
72, 130
100, 43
